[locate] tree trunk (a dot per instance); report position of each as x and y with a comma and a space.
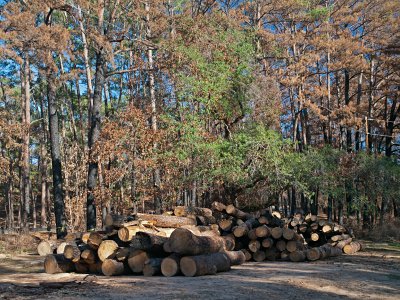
208, 264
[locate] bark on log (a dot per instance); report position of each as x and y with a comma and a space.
184, 242
95, 239
322, 252
236, 257
73, 252
229, 242
89, 256
218, 206
81, 267
247, 254
183, 211
95, 268
152, 267
107, 250
205, 220
167, 221
111, 267
206, 264
170, 265
271, 254
340, 237
150, 242
122, 254
341, 244
57, 263
237, 213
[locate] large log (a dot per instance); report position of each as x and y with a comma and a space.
73, 252
237, 213
136, 260
170, 265
94, 240
122, 253
218, 206
322, 252
205, 220
340, 237
57, 263
89, 256
352, 248
184, 242
267, 243
81, 267
117, 221
259, 255
95, 268
167, 221
226, 224
297, 256
230, 242
152, 266
107, 250
247, 254
262, 231
149, 242
206, 264
184, 211
112, 267
46, 247
236, 257
288, 234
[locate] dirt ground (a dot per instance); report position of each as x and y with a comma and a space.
372, 274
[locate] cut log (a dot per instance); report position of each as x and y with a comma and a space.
170, 265
241, 230
285, 255
259, 255
184, 242
107, 250
263, 220
206, 264
352, 248
229, 242
263, 231
252, 234
276, 233
247, 254
94, 240
111, 267
61, 247
183, 211
327, 228
340, 237
85, 237
341, 244
89, 256
225, 225
267, 243
73, 236
288, 234
118, 221
236, 257
237, 213
167, 221
218, 206
136, 260
281, 245
73, 252
152, 266
277, 214
322, 252
46, 247
205, 220
57, 263
297, 256
150, 242
292, 246
314, 236
254, 245
95, 268
122, 254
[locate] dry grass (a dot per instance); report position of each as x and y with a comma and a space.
17, 243
388, 232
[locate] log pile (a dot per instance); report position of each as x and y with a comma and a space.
195, 242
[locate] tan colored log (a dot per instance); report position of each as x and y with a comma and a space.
340, 237
167, 221
218, 206
297, 256
276, 232
183, 211
288, 234
247, 254
267, 243
73, 236
322, 252
263, 220
136, 260
237, 213
263, 231
206, 264
73, 252
259, 255
236, 257
148, 241
170, 265
254, 245
327, 228
352, 248
107, 250
241, 230
85, 237
61, 247
229, 242
152, 266
341, 244
46, 247
314, 236
226, 224
184, 242
111, 267
57, 263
